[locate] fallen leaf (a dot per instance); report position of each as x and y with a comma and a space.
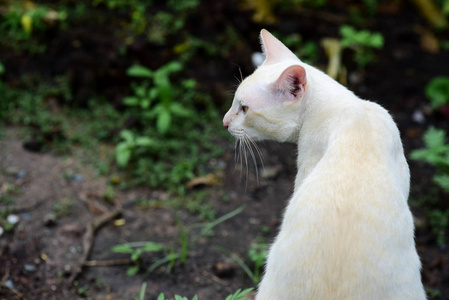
428, 40
208, 180
119, 222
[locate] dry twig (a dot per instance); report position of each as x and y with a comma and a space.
88, 239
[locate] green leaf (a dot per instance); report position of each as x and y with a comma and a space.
161, 297
136, 254
442, 181
437, 90
139, 71
122, 248
142, 291
132, 270
163, 121
145, 141
128, 136
434, 138
152, 246
131, 101
140, 91
239, 294
171, 67
167, 259
165, 94
153, 93
189, 84
178, 110
145, 103
122, 155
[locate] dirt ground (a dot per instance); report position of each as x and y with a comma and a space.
40, 256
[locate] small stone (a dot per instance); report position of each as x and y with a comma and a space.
50, 220
77, 178
67, 270
25, 216
1, 231
223, 269
30, 268
13, 219
21, 174
9, 283
418, 116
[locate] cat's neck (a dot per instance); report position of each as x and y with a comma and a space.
325, 101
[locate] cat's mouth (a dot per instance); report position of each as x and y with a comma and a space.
237, 133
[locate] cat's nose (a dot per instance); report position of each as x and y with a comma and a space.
226, 125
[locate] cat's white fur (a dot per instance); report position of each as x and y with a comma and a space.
347, 232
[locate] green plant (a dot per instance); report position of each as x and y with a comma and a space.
175, 129
171, 256
136, 250
238, 295
306, 50
130, 145
257, 254
82, 291
436, 153
437, 90
433, 293
156, 101
362, 42
142, 292
63, 208
177, 297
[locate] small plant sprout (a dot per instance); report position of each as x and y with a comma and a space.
436, 153
437, 91
362, 43
136, 250
257, 254
238, 295
130, 144
156, 100
171, 256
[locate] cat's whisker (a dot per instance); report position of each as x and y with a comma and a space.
241, 155
241, 75
245, 153
249, 144
252, 144
236, 151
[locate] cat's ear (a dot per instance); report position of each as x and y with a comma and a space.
273, 49
291, 83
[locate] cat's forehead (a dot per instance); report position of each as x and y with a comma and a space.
263, 75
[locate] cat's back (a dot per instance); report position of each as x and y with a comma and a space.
349, 218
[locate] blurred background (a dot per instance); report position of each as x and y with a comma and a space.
117, 179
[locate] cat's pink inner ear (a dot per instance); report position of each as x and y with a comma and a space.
292, 81
273, 49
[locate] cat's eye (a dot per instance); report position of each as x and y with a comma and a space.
244, 108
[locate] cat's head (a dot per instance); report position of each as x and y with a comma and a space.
266, 104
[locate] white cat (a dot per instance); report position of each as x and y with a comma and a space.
347, 232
